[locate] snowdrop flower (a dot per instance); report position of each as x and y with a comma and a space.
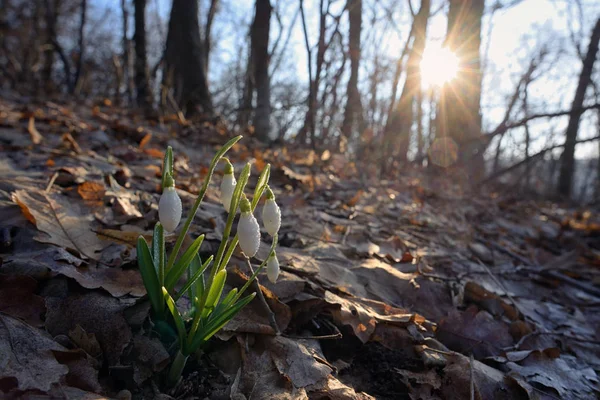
271, 214
248, 229
227, 186
169, 206
273, 268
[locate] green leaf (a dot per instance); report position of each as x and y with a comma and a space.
156, 245
217, 323
176, 317
149, 277
214, 292
261, 185
180, 266
197, 275
223, 305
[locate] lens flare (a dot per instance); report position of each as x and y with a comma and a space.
439, 65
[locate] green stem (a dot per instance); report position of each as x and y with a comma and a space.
176, 369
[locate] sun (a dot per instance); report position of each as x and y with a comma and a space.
438, 66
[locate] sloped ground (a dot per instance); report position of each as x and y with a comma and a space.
402, 289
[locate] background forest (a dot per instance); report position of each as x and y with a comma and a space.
506, 84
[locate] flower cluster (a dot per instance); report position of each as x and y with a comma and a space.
210, 308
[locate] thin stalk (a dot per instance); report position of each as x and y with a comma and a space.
249, 281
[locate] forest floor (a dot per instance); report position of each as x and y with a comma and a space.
408, 288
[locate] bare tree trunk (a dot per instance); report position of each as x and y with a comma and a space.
567, 167
142, 80
81, 45
309, 118
185, 58
245, 109
51, 16
260, 49
420, 139
459, 116
212, 11
353, 103
399, 126
126, 52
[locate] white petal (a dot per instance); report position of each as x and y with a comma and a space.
249, 234
273, 269
271, 217
227, 187
169, 209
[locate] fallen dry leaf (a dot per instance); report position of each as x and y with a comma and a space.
62, 222
18, 299
26, 357
295, 360
96, 313
117, 281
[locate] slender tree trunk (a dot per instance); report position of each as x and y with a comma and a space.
49, 53
399, 128
245, 109
353, 103
309, 118
51, 17
459, 116
81, 43
260, 49
126, 52
212, 11
420, 139
142, 80
567, 167
185, 58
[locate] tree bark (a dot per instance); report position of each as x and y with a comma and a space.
567, 167
142, 80
185, 59
459, 116
212, 11
353, 103
51, 17
81, 43
259, 38
400, 123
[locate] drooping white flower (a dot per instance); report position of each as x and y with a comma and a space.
169, 207
248, 230
271, 214
273, 268
227, 186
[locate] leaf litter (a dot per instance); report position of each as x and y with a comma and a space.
401, 289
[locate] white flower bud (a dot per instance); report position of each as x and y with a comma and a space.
273, 268
248, 234
169, 209
227, 187
271, 215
